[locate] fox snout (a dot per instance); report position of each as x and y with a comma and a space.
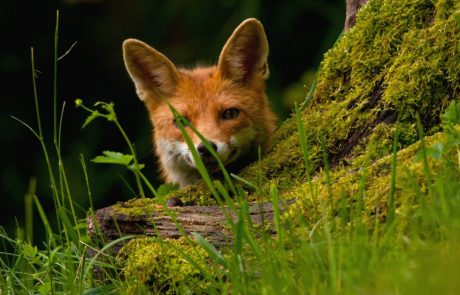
225, 154
204, 153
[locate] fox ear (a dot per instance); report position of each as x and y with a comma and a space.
244, 56
153, 73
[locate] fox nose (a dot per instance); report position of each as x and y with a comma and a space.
203, 151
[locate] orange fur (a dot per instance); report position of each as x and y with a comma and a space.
203, 95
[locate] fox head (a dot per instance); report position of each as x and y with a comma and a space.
225, 103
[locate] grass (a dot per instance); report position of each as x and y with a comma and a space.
343, 252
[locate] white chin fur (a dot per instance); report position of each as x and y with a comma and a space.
174, 164
178, 162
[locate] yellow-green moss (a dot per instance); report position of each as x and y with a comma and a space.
140, 206
163, 265
371, 182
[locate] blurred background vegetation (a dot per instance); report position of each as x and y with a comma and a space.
188, 32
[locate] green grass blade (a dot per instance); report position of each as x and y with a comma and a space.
239, 232
27, 126
276, 215
304, 147
28, 199
224, 193
55, 59
391, 202
327, 169
102, 251
245, 226
102, 290
196, 158
88, 186
214, 254
426, 167
244, 181
34, 83
148, 184
68, 227
49, 231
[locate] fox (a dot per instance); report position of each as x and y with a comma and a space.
226, 103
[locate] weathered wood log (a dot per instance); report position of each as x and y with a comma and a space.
208, 221
352, 8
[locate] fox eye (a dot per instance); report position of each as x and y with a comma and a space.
183, 120
230, 113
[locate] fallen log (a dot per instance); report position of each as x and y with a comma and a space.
211, 222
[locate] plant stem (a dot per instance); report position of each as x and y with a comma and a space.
133, 152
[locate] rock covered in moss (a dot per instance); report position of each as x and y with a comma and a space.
165, 266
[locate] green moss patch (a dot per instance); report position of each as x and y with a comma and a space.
140, 206
165, 266
369, 186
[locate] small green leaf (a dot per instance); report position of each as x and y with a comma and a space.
133, 166
166, 188
100, 103
90, 118
452, 114
29, 251
434, 152
45, 288
111, 157
438, 150
457, 19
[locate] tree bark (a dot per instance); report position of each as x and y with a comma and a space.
352, 8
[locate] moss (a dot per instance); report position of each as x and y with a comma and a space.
163, 265
135, 207
371, 182
197, 194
